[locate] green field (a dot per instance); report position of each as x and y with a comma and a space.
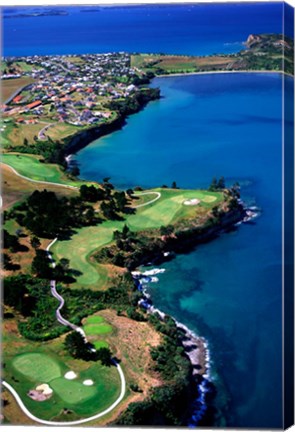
27, 370
168, 209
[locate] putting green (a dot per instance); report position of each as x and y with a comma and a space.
209, 199
94, 319
100, 344
97, 329
72, 392
36, 366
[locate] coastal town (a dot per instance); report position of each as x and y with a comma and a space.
75, 91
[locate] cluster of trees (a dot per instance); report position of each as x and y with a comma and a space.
217, 185
48, 216
42, 268
31, 297
134, 102
11, 242
51, 151
78, 347
113, 203
131, 249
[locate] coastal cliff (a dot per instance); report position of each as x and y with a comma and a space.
123, 109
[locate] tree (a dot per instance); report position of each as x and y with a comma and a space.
25, 142
221, 183
174, 185
10, 241
105, 356
213, 185
166, 230
8, 264
41, 265
120, 200
35, 242
75, 171
89, 193
129, 192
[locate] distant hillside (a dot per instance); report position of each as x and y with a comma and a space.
270, 52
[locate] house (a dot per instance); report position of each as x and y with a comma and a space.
17, 99
34, 104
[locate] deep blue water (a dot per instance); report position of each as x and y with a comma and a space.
185, 29
229, 290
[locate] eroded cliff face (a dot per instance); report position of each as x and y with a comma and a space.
252, 39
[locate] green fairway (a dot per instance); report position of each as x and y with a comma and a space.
36, 366
31, 167
166, 210
72, 392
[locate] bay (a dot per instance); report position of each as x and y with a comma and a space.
229, 290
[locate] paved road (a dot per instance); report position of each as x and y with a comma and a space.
67, 323
149, 202
41, 133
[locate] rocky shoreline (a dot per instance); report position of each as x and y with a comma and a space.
196, 347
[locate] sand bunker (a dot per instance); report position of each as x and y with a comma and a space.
88, 382
70, 375
45, 389
191, 202
41, 393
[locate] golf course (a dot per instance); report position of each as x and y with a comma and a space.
48, 384
166, 210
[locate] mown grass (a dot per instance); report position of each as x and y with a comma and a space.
29, 369
37, 367
97, 329
166, 210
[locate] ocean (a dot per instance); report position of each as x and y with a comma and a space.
228, 290
176, 29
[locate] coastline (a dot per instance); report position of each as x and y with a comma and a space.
225, 72
195, 348
82, 139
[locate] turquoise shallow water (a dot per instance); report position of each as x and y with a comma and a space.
229, 290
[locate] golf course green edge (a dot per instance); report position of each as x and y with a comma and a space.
70, 423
